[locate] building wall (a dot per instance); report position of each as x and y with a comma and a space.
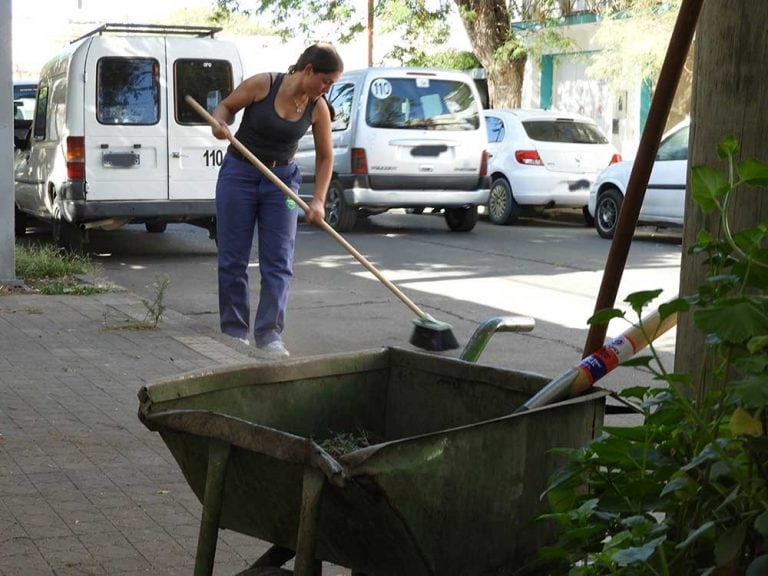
560, 81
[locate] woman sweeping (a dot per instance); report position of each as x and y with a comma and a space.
278, 110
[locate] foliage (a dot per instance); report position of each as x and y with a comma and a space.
50, 270
633, 37
686, 492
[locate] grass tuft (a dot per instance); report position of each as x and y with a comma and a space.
50, 270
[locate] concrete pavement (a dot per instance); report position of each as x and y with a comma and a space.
85, 488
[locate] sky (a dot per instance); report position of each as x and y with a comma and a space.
51, 21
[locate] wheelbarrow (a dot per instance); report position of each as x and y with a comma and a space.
448, 481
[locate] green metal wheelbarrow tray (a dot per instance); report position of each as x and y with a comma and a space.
450, 488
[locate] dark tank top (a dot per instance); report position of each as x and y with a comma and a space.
266, 134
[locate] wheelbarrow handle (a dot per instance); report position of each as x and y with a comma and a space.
240, 147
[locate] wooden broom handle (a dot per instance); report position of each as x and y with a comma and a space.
303, 205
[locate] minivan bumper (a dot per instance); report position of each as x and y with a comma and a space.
78, 210
358, 192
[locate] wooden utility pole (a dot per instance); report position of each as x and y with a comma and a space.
370, 33
730, 97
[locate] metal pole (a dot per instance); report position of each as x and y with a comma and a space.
669, 76
7, 239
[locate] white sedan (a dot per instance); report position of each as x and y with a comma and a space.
542, 158
664, 201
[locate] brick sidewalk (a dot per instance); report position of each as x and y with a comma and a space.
85, 488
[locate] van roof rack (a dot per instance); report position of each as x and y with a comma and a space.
162, 29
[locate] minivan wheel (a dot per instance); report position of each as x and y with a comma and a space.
65, 234
19, 222
502, 207
156, 227
607, 212
461, 219
338, 214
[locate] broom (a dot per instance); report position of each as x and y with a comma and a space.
428, 333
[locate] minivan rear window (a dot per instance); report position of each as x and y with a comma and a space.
568, 131
128, 91
422, 103
207, 81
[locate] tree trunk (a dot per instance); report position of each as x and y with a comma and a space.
489, 29
730, 97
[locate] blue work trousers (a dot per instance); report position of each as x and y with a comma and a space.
246, 199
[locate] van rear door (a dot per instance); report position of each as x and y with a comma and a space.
126, 140
429, 127
207, 70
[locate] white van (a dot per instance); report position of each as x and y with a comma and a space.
113, 140
404, 138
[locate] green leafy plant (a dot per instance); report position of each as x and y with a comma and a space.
685, 492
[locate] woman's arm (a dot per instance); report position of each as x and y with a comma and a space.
321, 131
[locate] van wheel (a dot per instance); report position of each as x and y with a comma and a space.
461, 219
65, 234
156, 227
339, 215
502, 207
607, 212
19, 222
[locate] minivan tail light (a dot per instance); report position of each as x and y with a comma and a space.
528, 157
615, 159
484, 163
75, 155
359, 161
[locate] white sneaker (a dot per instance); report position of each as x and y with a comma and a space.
241, 340
275, 349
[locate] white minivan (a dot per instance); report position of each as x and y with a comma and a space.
403, 138
113, 140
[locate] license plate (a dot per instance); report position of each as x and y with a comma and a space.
120, 159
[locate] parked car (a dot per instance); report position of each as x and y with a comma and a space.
403, 138
542, 158
664, 201
23, 109
113, 141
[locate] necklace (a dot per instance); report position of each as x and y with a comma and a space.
299, 108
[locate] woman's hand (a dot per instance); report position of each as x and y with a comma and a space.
221, 131
316, 212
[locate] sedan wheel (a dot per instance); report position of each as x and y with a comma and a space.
607, 212
502, 207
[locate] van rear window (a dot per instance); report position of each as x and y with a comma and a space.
567, 131
128, 91
207, 81
422, 103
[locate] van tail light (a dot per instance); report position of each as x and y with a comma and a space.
615, 159
528, 157
484, 163
359, 161
75, 154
